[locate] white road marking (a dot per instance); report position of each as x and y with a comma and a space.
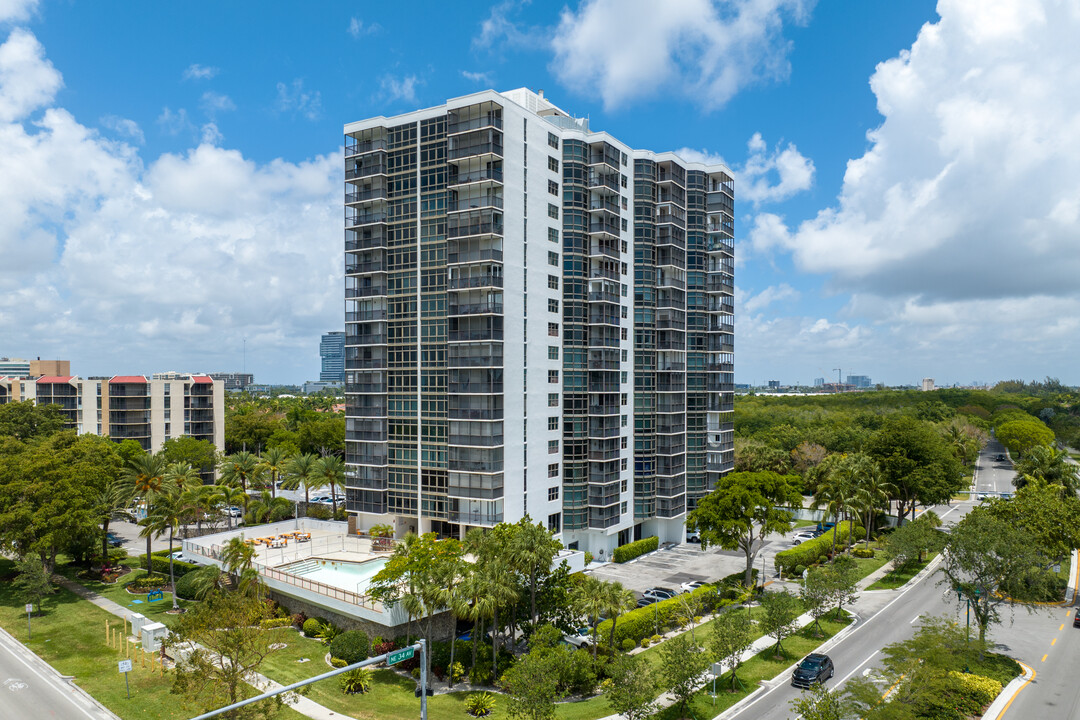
51, 682
914, 619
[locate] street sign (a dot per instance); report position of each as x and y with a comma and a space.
29, 607
125, 665
399, 655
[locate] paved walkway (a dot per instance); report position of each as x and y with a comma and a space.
262, 683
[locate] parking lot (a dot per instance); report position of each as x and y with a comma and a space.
670, 567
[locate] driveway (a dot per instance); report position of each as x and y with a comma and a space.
671, 566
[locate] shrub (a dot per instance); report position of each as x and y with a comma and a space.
645, 642
311, 627
117, 555
160, 564
297, 620
355, 681
381, 648
981, 689
328, 631
812, 551
629, 551
145, 583
318, 512
351, 646
640, 622
416, 673
656, 638
276, 622
480, 704
628, 644
338, 662
588, 558
863, 552
185, 586
799, 570
457, 671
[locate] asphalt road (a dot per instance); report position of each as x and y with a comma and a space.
1050, 645
33, 690
889, 616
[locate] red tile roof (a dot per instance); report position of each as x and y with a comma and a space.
53, 379
118, 379
204, 379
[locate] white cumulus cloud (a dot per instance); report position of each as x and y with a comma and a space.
195, 71
17, 10
708, 50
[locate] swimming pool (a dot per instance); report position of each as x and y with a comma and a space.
344, 574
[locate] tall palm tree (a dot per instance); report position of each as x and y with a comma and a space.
531, 551
111, 504
835, 492
872, 492
588, 599
617, 600
186, 478
466, 604
273, 463
331, 470
228, 495
145, 478
450, 584
168, 511
1048, 465
240, 468
300, 472
499, 592
267, 508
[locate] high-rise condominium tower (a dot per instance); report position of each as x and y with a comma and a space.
539, 320
332, 353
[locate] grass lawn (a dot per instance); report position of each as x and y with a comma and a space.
391, 696
763, 666
869, 565
899, 577
116, 592
70, 636
805, 523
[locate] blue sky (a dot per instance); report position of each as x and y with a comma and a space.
170, 176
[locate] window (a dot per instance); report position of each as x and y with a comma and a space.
624, 333
553, 447
553, 376
553, 305
553, 187
553, 259
553, 523
553, 492
624, 311
623, 446
624, 463
553, 423
553, 352
553, 235
553, 282
624, 486
553, 211
553, 164
553, 329
553, 471
553, 399
553, 140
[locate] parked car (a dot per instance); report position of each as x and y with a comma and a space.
1006, 496
687, 587
814, 668
660, 593
114, 539
692, 537
233, 511
179, 556
1000, 457
580, 639
1076, 618
646, 601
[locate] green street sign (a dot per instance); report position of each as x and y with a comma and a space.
399, 655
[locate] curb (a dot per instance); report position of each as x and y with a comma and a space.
1008, 694
738, 707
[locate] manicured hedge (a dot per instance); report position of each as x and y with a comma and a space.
629, 551
352, 646
814, 550
160, 564
640, 622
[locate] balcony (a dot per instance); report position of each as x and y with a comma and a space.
365, 315
604, 183
603, 228
475, 440
365, 411
480, 308
474, 203
601, 272
604, 250
367, 169
366, 388
367, 267
471, 256
365, 195
475, 222
607, 296
493, 175
364, 146
456, 126
472, 518
362, 292
719, 243
366, 436
367, 240
612, 409
473, 281
460, 413
359, 219
475, 149
474, 335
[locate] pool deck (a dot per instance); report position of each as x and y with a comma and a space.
328, 540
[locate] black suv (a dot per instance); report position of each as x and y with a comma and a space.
1076, 619
814, 668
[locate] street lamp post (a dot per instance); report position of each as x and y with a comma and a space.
962, 595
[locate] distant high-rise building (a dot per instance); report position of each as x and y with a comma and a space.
818, 382
539, 322
927, 384
18, 368
332, 351
774, 384
859, 381
234, 380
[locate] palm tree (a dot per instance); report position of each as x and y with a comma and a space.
228, 495
466, 604
268, 508
872, 492
1048, 465
240, 468
300, 471
588, 599
145, 478
167, 513
617, 600
498, 592
835, 491
186, 479
199, 501
273, 462
331, 470
239, 560
111, 504
532, 549
449, 583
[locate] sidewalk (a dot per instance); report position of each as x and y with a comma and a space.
262, 683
